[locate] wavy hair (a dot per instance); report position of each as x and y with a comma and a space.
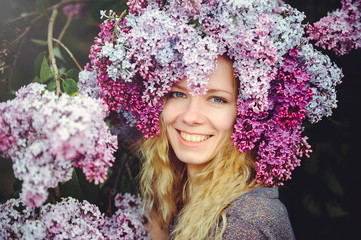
196, 204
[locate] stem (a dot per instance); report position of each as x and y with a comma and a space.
57, 191
51, 49
68, 51
68, 21
123, 160
129, 172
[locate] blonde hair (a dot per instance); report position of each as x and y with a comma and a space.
198, 203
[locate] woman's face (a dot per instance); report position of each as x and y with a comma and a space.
198, 125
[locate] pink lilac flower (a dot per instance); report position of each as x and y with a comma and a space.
50, 135
137, 57
340, 30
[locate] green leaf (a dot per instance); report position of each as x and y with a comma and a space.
45, 72
335, 210
79, 187
333, 183
310, 203
58, 54
37, 63
39, 42
51, 85
41, 6
70, 86
72, 73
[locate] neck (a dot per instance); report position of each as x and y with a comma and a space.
193, 169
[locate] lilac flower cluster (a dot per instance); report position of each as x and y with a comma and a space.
87, 84
46, 136
340, 30
324, 77
77, 10
126, 222
71, 219
277, 132
137, 58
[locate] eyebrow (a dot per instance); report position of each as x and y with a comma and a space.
208, 91
180, 87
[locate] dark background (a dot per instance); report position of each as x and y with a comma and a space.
323, 198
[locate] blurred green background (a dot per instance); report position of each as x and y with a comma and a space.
323, 198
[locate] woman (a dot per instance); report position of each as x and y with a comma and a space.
193, 174
219, 89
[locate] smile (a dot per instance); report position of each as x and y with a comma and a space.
194, 137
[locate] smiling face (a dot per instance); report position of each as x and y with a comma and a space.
198, 125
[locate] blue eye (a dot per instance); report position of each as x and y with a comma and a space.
218, 100
176, 95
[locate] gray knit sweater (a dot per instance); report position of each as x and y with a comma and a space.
258, 214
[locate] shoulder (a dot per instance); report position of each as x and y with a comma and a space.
258, 214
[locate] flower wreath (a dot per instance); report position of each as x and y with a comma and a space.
138, 56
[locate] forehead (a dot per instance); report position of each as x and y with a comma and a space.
222, 78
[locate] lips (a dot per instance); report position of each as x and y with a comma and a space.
194, 137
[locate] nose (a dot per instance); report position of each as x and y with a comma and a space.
193, 112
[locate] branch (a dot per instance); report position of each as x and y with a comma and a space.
27, 29
51, 49
68, 51
68, 21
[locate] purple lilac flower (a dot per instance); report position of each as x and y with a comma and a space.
50, 135
277, 132
340, 30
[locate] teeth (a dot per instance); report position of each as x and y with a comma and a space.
193, 138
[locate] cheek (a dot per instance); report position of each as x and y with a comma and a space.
167, 115
225, 122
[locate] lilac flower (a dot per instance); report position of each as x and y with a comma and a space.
78, 10
324, 77
71, 219
87, 84
13, 217
127, 222
48, 136
340, 30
